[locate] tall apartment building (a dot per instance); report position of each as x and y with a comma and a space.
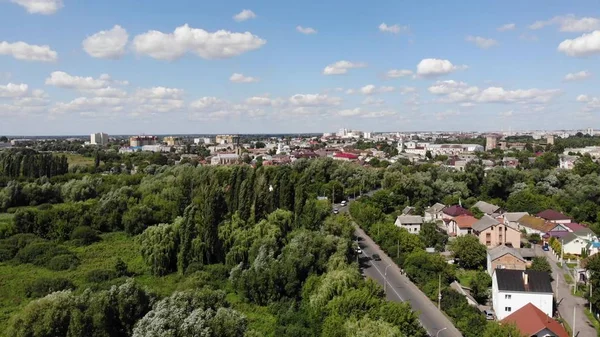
139, 141
491, 142
99, 139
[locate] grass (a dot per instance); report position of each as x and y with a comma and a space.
571, 265
559, 264
465, 276
78, 160
568, 278
594, 321
6, 224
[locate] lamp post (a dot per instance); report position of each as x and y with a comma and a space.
440, 330
385, 277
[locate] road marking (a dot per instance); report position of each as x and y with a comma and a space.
384, 278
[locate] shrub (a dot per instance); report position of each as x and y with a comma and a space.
84, 235
39, 253
100, 275
63, 262
10, 246
44, 286
121, 268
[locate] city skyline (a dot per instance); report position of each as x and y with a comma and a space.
181, 67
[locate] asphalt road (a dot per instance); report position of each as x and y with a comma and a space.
399, 288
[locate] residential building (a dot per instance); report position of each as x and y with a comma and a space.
434, 213
139, 141
514, 289
461, 225
99, 139
227, 139
225, 159
450, 212
512, 218
575, 242
205, 141
551, 215
412, 223
550, 139
492, 233
172, 141
503, 257
491, 142
534, 225
532, 321
408, 210
487, 208
345, 156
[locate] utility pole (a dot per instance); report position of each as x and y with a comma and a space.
398, 252
590, 299
562, 252
556, 280
440, 292
574, 312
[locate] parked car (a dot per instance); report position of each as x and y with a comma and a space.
335, 211
358, 250
376, 257
489, 314
545, 247
344, 203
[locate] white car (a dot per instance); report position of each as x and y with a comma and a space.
343, 203
358, 251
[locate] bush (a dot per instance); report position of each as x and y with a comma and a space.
39, 253
44, 286
121, 268
63, 262
100, 275
84, 235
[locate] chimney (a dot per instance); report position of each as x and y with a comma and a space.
525, 278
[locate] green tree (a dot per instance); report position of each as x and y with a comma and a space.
586, 165
432, 237
540, 263
497, 329
158, 246
469, 252
480, 286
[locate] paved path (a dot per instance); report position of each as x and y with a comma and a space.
566, 300
400, 289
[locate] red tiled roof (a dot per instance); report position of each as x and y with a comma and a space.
455, 210
345, 155
575, 226
531, 320
551, 214
465, 221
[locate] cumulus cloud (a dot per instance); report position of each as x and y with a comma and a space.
582, 75
407, 90
583, 98
306, 30
260, 101
240, 78
107, 44
456, 92
396, 73
218, 45
372, 101
45, 7
349, 112
28, 52
160, 93
13, 90
569, 23
506, 27
586, 44
591, 103
394, 29
62, 79
362, 113
436, 67
312, 100
371, 89
244, 15
342, 67
482, 42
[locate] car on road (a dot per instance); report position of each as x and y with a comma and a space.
376, 257
358, 250
489, 314
344, 203
335, 211
545, 248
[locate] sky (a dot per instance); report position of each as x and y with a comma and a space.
186, 66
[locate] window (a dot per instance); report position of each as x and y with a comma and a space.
507, 297
507, 309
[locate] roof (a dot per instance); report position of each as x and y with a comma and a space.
531, 320
535, 223
502, 250
455, 210
569, 237
408, 210
584, 232
527, 252
345, 155
484, 223
574, 226
437, 207
410, 219
557, 234
514, 280
514, 216
552, 215
486, 207
465, 221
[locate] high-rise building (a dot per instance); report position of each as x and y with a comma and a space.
491, 142
99, 139
550, 139
139, 141
172, 141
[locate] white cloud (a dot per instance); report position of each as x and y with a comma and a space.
28, 52
341, 67
396, 73
368, 89
394, 29
508, 113
372, 101
591, 103
260, 101
63, 80
306, 30
583, 98
85, 105
107, 44
455, 92
586, 44
45, 7
207, 104
436, 67
13, 90
106, 92
240, 78
445, 114
349, 112
371, 89
407, 90
582, 75
482, 42
312, 100
159, 93
359, 112
244, 15
218, 45
506, 27
569, 23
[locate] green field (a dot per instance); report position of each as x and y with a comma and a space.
79, 160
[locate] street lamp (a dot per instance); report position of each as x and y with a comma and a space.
385, 277
438, 333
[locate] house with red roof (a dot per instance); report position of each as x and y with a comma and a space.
461, 225
345, 156
551, 215
531, 321
451, 212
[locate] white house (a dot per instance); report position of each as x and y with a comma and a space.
512, 218
434, 212
513, 289
567, 162
412, 223
574, 242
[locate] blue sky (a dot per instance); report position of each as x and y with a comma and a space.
184, 66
